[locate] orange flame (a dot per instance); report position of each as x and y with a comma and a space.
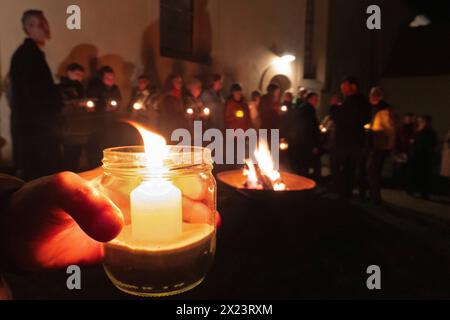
267, 168
156, 150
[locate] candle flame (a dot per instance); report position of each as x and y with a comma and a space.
156, 149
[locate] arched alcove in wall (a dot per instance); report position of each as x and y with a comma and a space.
282, 81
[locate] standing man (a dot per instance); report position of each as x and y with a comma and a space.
421, 155
213, 99
35, 103
302, 92
383, 136
305, 154
270, 108
350, 137
74, 117
195, 109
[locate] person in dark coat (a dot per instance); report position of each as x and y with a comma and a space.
350, 137
305, 146
35, 103
285, 114
71, 84
142, 106
213, 99
406, 133
270, 109
300, 99
172, 111
195, 108
104, 91
106, 95
405, 136
420, 160
74, 119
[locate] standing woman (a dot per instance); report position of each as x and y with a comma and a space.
237, 116
237, 113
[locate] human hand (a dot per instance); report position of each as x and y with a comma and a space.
57, 221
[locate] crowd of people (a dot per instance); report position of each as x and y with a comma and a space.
54, 125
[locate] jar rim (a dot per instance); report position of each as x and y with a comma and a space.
134, 158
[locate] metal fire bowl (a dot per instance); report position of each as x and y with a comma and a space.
295, 185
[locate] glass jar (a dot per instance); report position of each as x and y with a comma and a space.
168, 250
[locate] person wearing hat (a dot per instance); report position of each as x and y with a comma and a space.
237, 113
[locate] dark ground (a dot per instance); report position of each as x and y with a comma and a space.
301, 247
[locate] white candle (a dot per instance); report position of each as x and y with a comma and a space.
156, 205
156, 211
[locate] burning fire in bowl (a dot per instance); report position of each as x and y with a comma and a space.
261, 180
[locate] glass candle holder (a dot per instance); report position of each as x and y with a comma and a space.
168, 242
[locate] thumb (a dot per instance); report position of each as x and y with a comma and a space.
97, 216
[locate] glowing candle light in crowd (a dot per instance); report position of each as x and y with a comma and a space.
284, 145
190, 111
137, 106
90, 104
239, 114
206, 111
284, 109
